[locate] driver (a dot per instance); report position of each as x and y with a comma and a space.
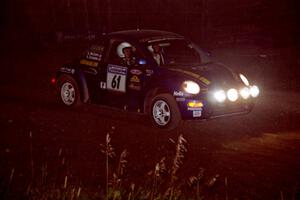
125, 52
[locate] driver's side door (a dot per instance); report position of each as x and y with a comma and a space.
123, 83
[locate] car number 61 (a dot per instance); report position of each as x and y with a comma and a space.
116, 82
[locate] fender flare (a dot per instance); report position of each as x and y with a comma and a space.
150, 95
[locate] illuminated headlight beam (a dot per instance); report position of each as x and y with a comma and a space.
191, 87
220, 96
232, 94
254, 91
245, 92
244, 79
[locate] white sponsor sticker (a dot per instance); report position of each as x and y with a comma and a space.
102, 85
94, 56
149, 72
136, 71
195, 109
67, 70
116, 78
178, 93
197, 113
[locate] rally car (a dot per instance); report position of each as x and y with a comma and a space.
157, 73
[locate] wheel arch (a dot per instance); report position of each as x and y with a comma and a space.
151, 94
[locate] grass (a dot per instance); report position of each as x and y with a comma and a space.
162, 182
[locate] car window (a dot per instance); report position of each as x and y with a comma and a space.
113, 56
117, 54
175, 52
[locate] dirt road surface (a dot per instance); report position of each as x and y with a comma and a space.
258, 153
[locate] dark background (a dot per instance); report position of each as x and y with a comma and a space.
212, 22
256, 37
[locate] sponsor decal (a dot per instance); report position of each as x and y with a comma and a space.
178, 93
97, 48
180, 99
149, 72
134, 86
204, 80
94, 56
91, 71
197, 113
117, 69
116, 78
67, 70
195, 109
102, 85
197, 76
89, 63
136, 71
135, 79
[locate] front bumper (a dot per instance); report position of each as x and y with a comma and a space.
211, 110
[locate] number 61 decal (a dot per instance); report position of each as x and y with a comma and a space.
116, 78
116, 82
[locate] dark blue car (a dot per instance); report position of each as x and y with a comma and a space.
158, 73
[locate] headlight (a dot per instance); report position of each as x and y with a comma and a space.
244, 79
220, 96
245, 92
191, 87
254, 91
232, 94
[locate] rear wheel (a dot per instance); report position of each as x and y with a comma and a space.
164, 112
68, 91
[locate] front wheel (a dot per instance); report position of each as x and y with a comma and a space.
164, 112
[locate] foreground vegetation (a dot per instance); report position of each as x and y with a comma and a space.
162, 182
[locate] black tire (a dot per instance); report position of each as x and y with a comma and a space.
161, 105
68, 91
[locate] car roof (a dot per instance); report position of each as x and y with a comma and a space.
145, 35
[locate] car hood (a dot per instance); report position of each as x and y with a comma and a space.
210, 74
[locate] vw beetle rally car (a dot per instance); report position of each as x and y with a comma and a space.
164, 75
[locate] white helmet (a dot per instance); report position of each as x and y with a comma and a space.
121, 47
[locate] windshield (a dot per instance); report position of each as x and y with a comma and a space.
176, 52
